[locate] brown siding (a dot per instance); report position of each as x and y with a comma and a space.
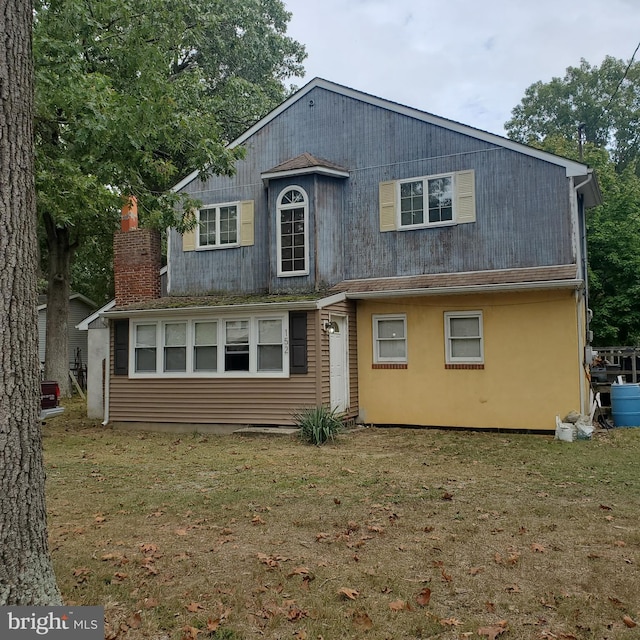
348, 309
269, 401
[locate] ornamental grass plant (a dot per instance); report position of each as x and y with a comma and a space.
319, 424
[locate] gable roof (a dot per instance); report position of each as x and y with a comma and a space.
572, 167
42, 300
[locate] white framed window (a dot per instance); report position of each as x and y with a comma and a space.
464, 337
390, 338
218, 226
426, 201
175, 347
269, 344
205, 346
145, 340
293, 232
230, 346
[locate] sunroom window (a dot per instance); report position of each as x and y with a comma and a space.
212, 347
145, 348
175, 346
205, 347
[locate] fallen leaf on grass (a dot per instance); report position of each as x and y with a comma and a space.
474, 571
447, 496
190, 633
257, 520
493, 631
618, 604
150, 603
630, 622
348, 470
537, 548
298, 571
400, 605
445, 576
362, 620
423, 597
181, 532
450, 622
296, 613
135, 620
194, 607
120, 577
351, 594
605, 507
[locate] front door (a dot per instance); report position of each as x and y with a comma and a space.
339, 375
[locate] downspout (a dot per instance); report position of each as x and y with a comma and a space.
107, 378
583, 330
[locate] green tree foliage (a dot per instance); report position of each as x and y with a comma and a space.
606, 100
131, 95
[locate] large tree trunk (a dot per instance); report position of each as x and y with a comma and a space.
26, 574
57, 357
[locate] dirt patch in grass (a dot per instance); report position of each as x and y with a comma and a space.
387, 533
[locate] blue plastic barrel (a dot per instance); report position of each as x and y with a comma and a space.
625, 405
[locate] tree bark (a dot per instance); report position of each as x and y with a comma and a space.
57, 359
26, 574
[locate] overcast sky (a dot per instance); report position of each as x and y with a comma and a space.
466, 60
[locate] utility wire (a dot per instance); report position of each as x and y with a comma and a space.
624, 75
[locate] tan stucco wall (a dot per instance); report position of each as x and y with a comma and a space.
532, 363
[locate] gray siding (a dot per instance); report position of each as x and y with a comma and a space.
78, 311
522, 203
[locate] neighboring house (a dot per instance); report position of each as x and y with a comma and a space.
400, 267
79, 308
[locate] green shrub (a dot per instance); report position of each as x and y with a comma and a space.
319, 424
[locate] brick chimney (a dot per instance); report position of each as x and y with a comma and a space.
136, 259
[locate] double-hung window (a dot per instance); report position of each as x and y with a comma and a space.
205, 346
175, 346
269, 344
293, 232
218, 226
145, 340
464, 337
389, 339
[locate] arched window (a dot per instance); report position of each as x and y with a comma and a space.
293, 232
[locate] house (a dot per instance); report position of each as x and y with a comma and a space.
400, 267
79, 308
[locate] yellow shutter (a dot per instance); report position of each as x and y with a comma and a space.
466, 196
387, 192
246, 223
189, 237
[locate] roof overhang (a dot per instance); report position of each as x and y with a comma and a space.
248, 307
323, 171
469, 289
